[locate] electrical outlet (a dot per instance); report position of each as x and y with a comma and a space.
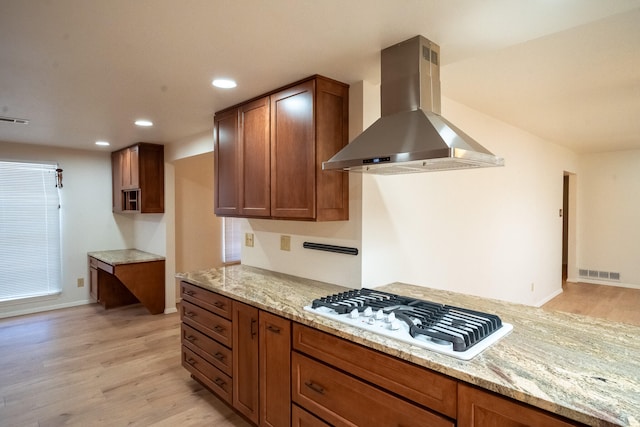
248, 239
80, 282
285, 243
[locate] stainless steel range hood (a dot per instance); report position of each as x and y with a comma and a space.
411, 136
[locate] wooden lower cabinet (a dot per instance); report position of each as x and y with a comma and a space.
479, 408
302, 418
245, 360
279, 373
275, 370
342, 400
240, 353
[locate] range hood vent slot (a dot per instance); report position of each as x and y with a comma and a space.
14, 120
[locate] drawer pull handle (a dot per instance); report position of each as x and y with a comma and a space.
190, 293
189, 314
190, 338
219, 304
219, 329
219, 356
315, 387
191, 361
220, 382
254, 329
273, 329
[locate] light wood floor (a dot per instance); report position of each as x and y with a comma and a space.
84, 366
606, 302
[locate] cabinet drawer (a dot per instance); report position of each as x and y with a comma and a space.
209, 375
342, 400
301, 418
206, 322
209, 349
101, 265
211, 301
413, 382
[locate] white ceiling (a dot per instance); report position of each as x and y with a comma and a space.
84, 70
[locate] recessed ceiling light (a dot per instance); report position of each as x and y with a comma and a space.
145, 123
102, 143
224, 83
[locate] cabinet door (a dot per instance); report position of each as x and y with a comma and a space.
478, 408
134, 167
255, 185
129, 168
116, 180
226, 163
332, 133
93, 284
275, 370
245, 360
293, 173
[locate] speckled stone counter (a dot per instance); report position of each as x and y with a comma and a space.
578, 367
125, 256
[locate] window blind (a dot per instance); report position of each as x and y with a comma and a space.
30, 261
231, 240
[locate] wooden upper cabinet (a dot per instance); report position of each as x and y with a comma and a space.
138, 178
281, 140
226, 163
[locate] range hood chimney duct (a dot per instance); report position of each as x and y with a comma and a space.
411, 136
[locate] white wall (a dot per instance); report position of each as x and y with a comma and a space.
607, 216
491, 232
87, 222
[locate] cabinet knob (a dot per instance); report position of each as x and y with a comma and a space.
190, 293
220, 382
315, 387
189, 314
190, 338
219, 304
219, 329
219, 356
191, 361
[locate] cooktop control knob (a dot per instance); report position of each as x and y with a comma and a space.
379, 315
368, 312
391, 317
395, 325
354, 314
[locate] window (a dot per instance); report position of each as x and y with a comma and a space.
231, 240
29, 231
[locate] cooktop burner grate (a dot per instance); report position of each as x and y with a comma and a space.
457, 331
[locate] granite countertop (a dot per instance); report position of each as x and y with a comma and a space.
125, 256
578, 367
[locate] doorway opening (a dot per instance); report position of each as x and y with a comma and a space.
565, 226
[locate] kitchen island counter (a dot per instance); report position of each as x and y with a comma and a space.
582, 368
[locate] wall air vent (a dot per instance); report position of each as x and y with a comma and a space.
595, 274
14, 120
